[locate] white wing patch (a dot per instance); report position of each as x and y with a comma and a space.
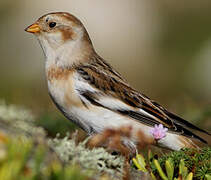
81, 85
105, 100
112, 103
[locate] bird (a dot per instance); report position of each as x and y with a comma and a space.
92, 94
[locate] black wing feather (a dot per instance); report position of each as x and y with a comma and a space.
180, 121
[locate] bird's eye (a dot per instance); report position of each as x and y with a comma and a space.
52, 24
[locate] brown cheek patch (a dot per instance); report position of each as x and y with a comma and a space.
68, 34
58, 73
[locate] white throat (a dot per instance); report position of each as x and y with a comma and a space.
64, 54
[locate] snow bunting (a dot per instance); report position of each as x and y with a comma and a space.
92, 94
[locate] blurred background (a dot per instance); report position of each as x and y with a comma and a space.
162, 47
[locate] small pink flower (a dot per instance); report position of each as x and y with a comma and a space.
158, 131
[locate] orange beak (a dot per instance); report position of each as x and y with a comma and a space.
34, 28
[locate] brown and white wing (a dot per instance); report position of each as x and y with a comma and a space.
102, 87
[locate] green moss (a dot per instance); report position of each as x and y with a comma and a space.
197, 161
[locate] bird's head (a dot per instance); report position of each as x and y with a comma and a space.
60, 30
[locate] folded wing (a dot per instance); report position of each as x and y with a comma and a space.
104, 87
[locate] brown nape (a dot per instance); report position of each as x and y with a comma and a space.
86, 37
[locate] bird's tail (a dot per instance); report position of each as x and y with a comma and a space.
188, 142
177, 142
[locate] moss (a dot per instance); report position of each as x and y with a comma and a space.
25, 159
94, 159
26, 152
197, 161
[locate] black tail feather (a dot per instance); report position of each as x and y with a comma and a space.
190, 134
180, 121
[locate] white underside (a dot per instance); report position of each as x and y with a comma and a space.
101, 119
